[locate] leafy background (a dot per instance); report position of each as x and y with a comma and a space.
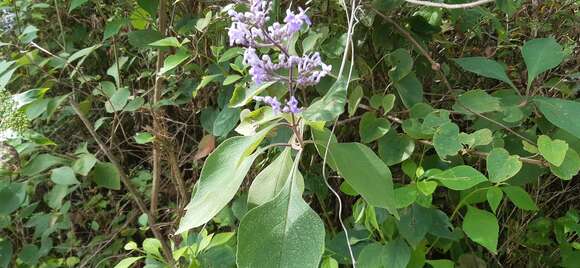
455, 144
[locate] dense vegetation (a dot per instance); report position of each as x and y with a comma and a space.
377, 133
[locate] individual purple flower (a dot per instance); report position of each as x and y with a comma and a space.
295, 21
292, 106
272, 101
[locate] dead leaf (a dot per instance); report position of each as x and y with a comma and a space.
205, 147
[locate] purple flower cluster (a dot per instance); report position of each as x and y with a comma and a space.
250, 29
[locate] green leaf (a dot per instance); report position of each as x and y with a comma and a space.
230, 54
541, 55
372, 128
410, 90
561, 113
330, 106
11, 197
501, 165
354, 99
477, 101
459, 178
243, 96
270, 181
151, 246
142, 38
143, 137
482, 228
446, 140
395, 148
395, 254
114, 70
284, 232
174, 60
5, 252
426, 187
118, 101
55, 196
441, 263
113, 27
415, 224
41, 163
225, 121
402, 64
74, 4
166, 42
494, 196
221, 176
569, 168
149, 5
208, 79
485, 67
128, 262
84, 164
232, 78
366, 173
520, 198
134, 104
106, 175
64, 176
554, 151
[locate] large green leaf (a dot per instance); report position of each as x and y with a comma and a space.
221, 176
410, 90
366, 173
561, 113
459, 178
501, 165
106, 175
270, 181
541, 55
485, 67
481, 227
330, 106
284, 232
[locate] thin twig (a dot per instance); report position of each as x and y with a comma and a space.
127, 183
450, 6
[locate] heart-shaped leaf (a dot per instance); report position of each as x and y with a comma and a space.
372, 128
501, 165
446, 140
554, 151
